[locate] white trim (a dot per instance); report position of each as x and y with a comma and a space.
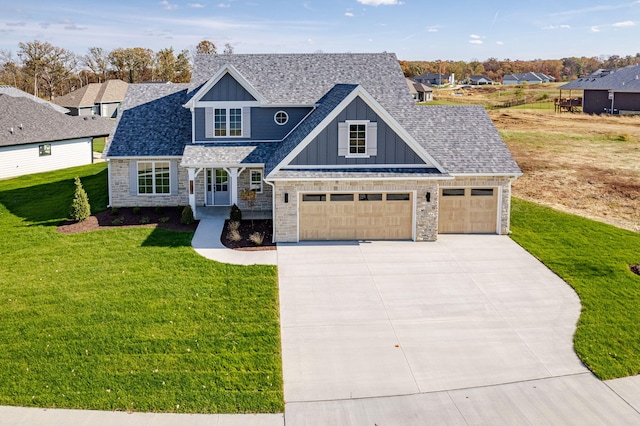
153, 180
276, 115
226, 68
273, 208
227, 104
227, 129
259, 191
222, 165
109, 180
333, 179
499, 209
382, 114
366, 138
509, 175
248, 139
146, 158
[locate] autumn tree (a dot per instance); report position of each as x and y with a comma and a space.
46, 65
165, 65
206, 47
132, 64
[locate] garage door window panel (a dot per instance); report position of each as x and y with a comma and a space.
454, 192
341, 197
314, 197
482, 192
369, 197
398, 197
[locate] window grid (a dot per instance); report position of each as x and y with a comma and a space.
220, 122
235, 122
357, 138
44, 149
255, 183
153, 178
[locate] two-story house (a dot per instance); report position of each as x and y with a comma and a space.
332, 144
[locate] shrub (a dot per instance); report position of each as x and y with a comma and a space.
187, 215
233, 225
158, 210
234, 235
164, 219
80, 208
256, 238
117, 221
235, 214
136, 210
144, 220
114, 211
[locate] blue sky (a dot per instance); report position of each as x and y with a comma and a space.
413, 29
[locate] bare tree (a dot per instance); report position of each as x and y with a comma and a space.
97, 60
49, 66
228, 49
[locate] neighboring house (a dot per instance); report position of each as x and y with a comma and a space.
346, 155
609, 91
432, 79
527, 78
420, 92
36, 138
95, 99
17, 93
478, 80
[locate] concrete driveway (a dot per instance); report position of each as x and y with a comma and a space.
459, 327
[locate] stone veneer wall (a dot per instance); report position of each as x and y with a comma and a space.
487, 182
287, 213
121, 193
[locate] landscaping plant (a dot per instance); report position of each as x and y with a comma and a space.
80, 208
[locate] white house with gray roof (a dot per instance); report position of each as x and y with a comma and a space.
36, 137
332, 144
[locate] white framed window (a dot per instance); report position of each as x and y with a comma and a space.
154, 177
227, 122
357, 138
281, 118
44, 149
255, 183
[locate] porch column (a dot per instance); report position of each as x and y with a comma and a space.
234, 172
192, 189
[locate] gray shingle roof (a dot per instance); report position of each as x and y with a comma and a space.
227, 154
152, 122
528, 76
12, 91
463, 140
93, 93
33, 122
622, 80
304, 78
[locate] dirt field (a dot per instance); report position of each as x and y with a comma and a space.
587, 165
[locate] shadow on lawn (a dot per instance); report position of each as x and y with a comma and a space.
161, 237
47, 204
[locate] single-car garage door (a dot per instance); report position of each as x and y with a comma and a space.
468, 210
356, 216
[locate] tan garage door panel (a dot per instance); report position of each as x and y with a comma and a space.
356, 216
468, 210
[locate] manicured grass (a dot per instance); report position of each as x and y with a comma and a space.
594, 259
98, 144
127, 319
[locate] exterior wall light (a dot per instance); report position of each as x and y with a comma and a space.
286, 197
428, 197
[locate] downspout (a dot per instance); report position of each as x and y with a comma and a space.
273, 210
613, 95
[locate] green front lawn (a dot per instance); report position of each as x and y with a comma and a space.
127, 319
594, 259
98, 144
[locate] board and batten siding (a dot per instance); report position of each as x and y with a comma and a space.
21, 160
262, 124
227, 89
391, 148
596, 101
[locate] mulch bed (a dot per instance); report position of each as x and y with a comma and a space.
635, 269
125, 217
246, 228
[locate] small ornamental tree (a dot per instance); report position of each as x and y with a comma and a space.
187, 215
80, 208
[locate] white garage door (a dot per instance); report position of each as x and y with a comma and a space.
356, 216
468, 210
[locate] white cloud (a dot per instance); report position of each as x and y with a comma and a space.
379, 2
499, 43
349, 14
311, 41
432, 30
624, 24
224, 5
566, 27
475, 36
475, 41
555, 27
196, 5
595, 29
168, 6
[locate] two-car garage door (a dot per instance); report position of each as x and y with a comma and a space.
356, 216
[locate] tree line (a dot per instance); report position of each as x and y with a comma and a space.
49, 71
565, 69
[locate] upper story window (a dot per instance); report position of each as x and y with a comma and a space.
357, 138
281, 118
256, 181
227, 122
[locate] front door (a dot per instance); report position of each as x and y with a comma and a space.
217, 188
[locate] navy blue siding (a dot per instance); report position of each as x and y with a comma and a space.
227, 89
323, 150
263, 126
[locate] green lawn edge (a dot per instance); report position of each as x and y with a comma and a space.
594, 259
127, 319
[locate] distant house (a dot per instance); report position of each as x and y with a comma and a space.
420, 92
478, 80
17, 93
609, 91
432, 79
35, 137
102, 99
527, 78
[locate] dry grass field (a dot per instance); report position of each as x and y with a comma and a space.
578, 163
